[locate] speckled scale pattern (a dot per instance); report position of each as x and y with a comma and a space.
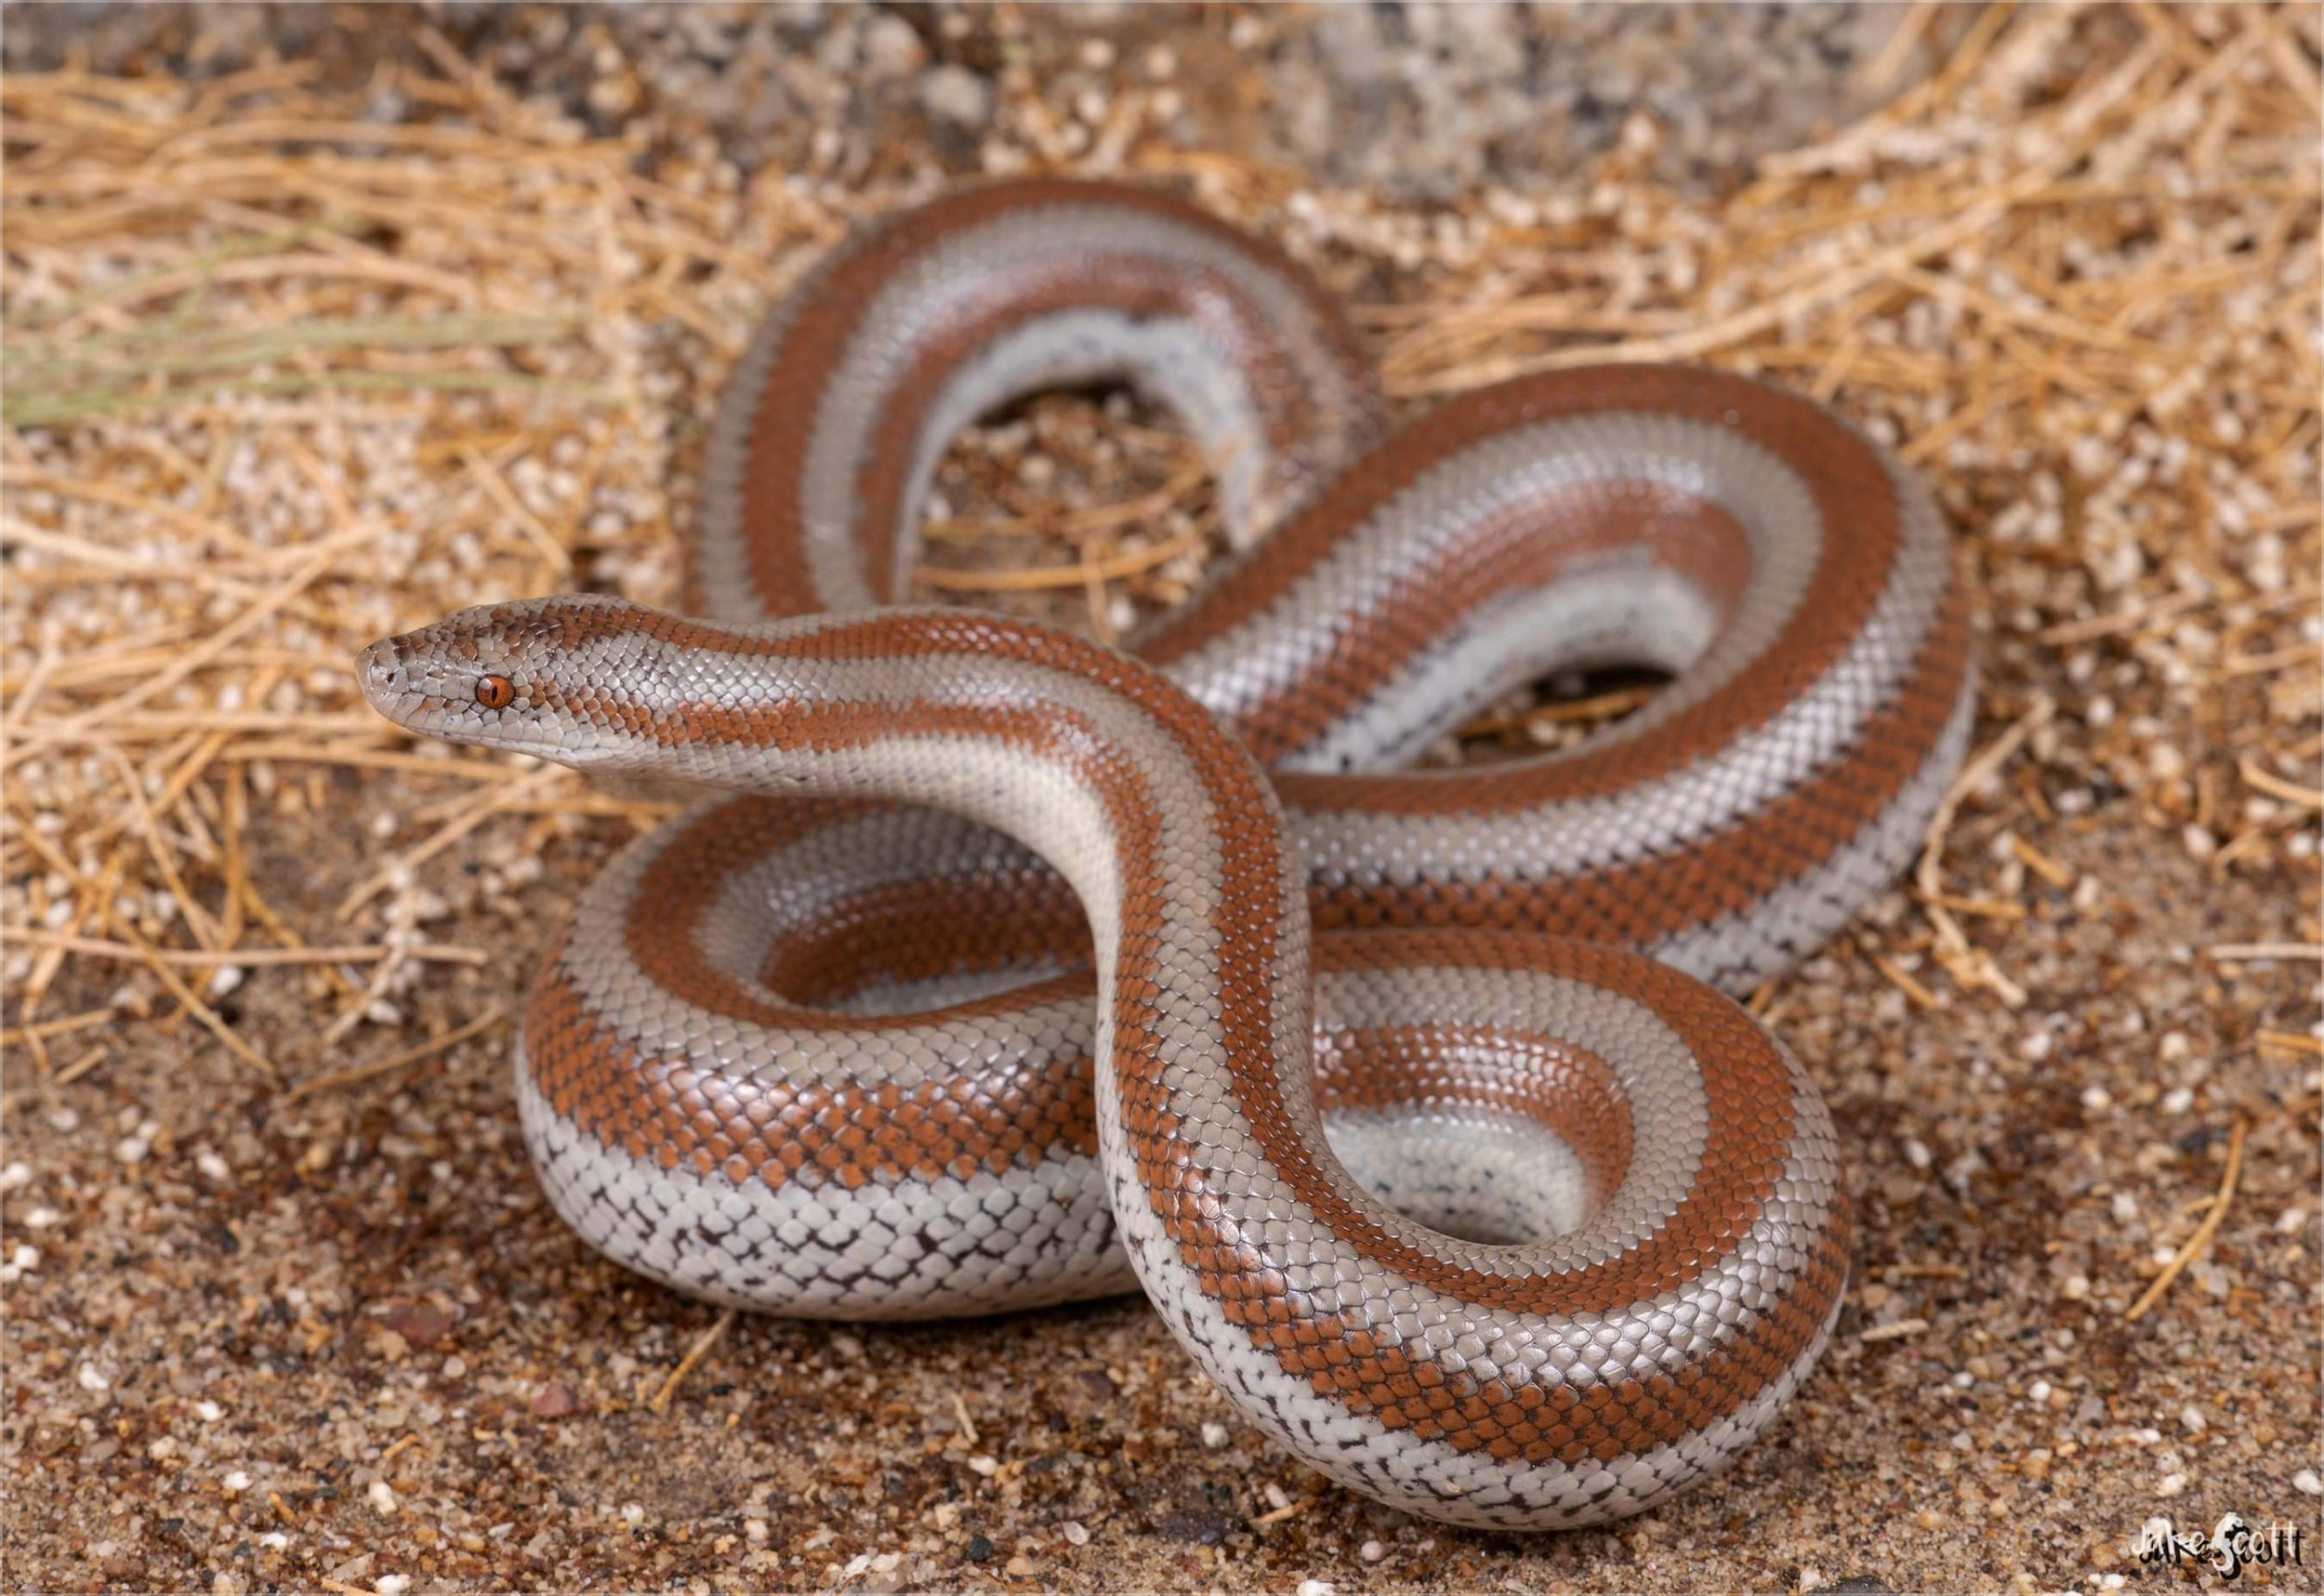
1011, 979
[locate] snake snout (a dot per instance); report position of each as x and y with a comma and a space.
392, 680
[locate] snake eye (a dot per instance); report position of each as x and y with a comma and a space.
493, 691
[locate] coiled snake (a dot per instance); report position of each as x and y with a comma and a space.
1414, 1110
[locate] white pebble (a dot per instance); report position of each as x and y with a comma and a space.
2125, 1208
275, 1541
1074, 1533
92, 1381
2178, 1100
207, 1411
16, 1175
984, 1466
2171, 1485
2191, 1419
1214, 1436
225, 978
1372, 1551
236, 1481
632, 1514
132, 1149
213, 1167
2038, 1393
2307, 1483
392, 1584
2291, 1221
382, 1497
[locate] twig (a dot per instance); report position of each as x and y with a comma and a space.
393, 1062
2203, 1233
251, 958
695, 1355
2263, 950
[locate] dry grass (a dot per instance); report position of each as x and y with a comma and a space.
282, 379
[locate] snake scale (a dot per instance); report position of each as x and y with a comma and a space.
1016, 969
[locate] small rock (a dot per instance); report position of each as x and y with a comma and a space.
420, 1324
890, 49
557, 1400
955, 95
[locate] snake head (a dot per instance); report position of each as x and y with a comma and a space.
545, 677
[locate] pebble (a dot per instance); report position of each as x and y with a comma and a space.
956, 95
557, 1400
1214, 1436
382, 1497
1074, 1533
1372, 1551
2308, 1483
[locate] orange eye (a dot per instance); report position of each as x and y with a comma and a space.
493, 691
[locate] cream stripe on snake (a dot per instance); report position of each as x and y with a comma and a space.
834, 1058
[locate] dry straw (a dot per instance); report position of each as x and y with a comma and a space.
282, 379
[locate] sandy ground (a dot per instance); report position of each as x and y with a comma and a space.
262, 1338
